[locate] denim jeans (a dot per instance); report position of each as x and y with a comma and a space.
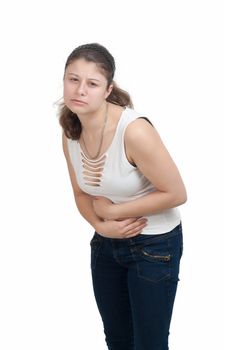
135, 282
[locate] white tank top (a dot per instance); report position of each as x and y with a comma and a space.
112, 176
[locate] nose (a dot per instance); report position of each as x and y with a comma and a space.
81, 88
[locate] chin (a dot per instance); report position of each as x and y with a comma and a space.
76, 109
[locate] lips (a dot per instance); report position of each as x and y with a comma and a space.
78, 101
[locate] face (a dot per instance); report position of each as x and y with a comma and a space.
85, 87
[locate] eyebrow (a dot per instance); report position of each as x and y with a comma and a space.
78, 76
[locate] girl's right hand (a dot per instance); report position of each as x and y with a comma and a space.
123, 228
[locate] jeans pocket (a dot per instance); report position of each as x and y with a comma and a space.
95, 244
154, 260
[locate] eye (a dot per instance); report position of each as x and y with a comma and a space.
73, 79
92, 84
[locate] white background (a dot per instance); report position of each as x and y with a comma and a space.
169, 57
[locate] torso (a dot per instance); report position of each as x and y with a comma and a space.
112, 122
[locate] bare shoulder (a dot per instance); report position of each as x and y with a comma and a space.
140, 138
148, 152
141, 129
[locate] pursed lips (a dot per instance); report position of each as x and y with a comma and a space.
79, 101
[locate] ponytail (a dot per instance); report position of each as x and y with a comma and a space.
119, 97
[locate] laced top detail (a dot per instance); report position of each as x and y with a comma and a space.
92, 170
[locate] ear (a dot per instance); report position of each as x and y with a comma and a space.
109, 90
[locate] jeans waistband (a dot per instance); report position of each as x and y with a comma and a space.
141, 237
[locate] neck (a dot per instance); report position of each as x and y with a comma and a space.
92, 123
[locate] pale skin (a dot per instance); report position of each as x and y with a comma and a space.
86, 82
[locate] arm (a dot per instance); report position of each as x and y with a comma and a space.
127, 228
154, 161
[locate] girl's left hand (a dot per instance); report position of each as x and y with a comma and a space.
102, 207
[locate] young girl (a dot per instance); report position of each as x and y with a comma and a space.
128, 188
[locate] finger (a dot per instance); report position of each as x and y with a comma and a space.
129, 221
133, 234
133, 231
132, 224
137, 224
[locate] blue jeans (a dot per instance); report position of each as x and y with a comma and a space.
135, 281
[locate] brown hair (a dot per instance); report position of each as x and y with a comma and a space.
101, 56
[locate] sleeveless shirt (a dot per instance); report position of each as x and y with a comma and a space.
112, 176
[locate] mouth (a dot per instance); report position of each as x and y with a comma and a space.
79, 102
